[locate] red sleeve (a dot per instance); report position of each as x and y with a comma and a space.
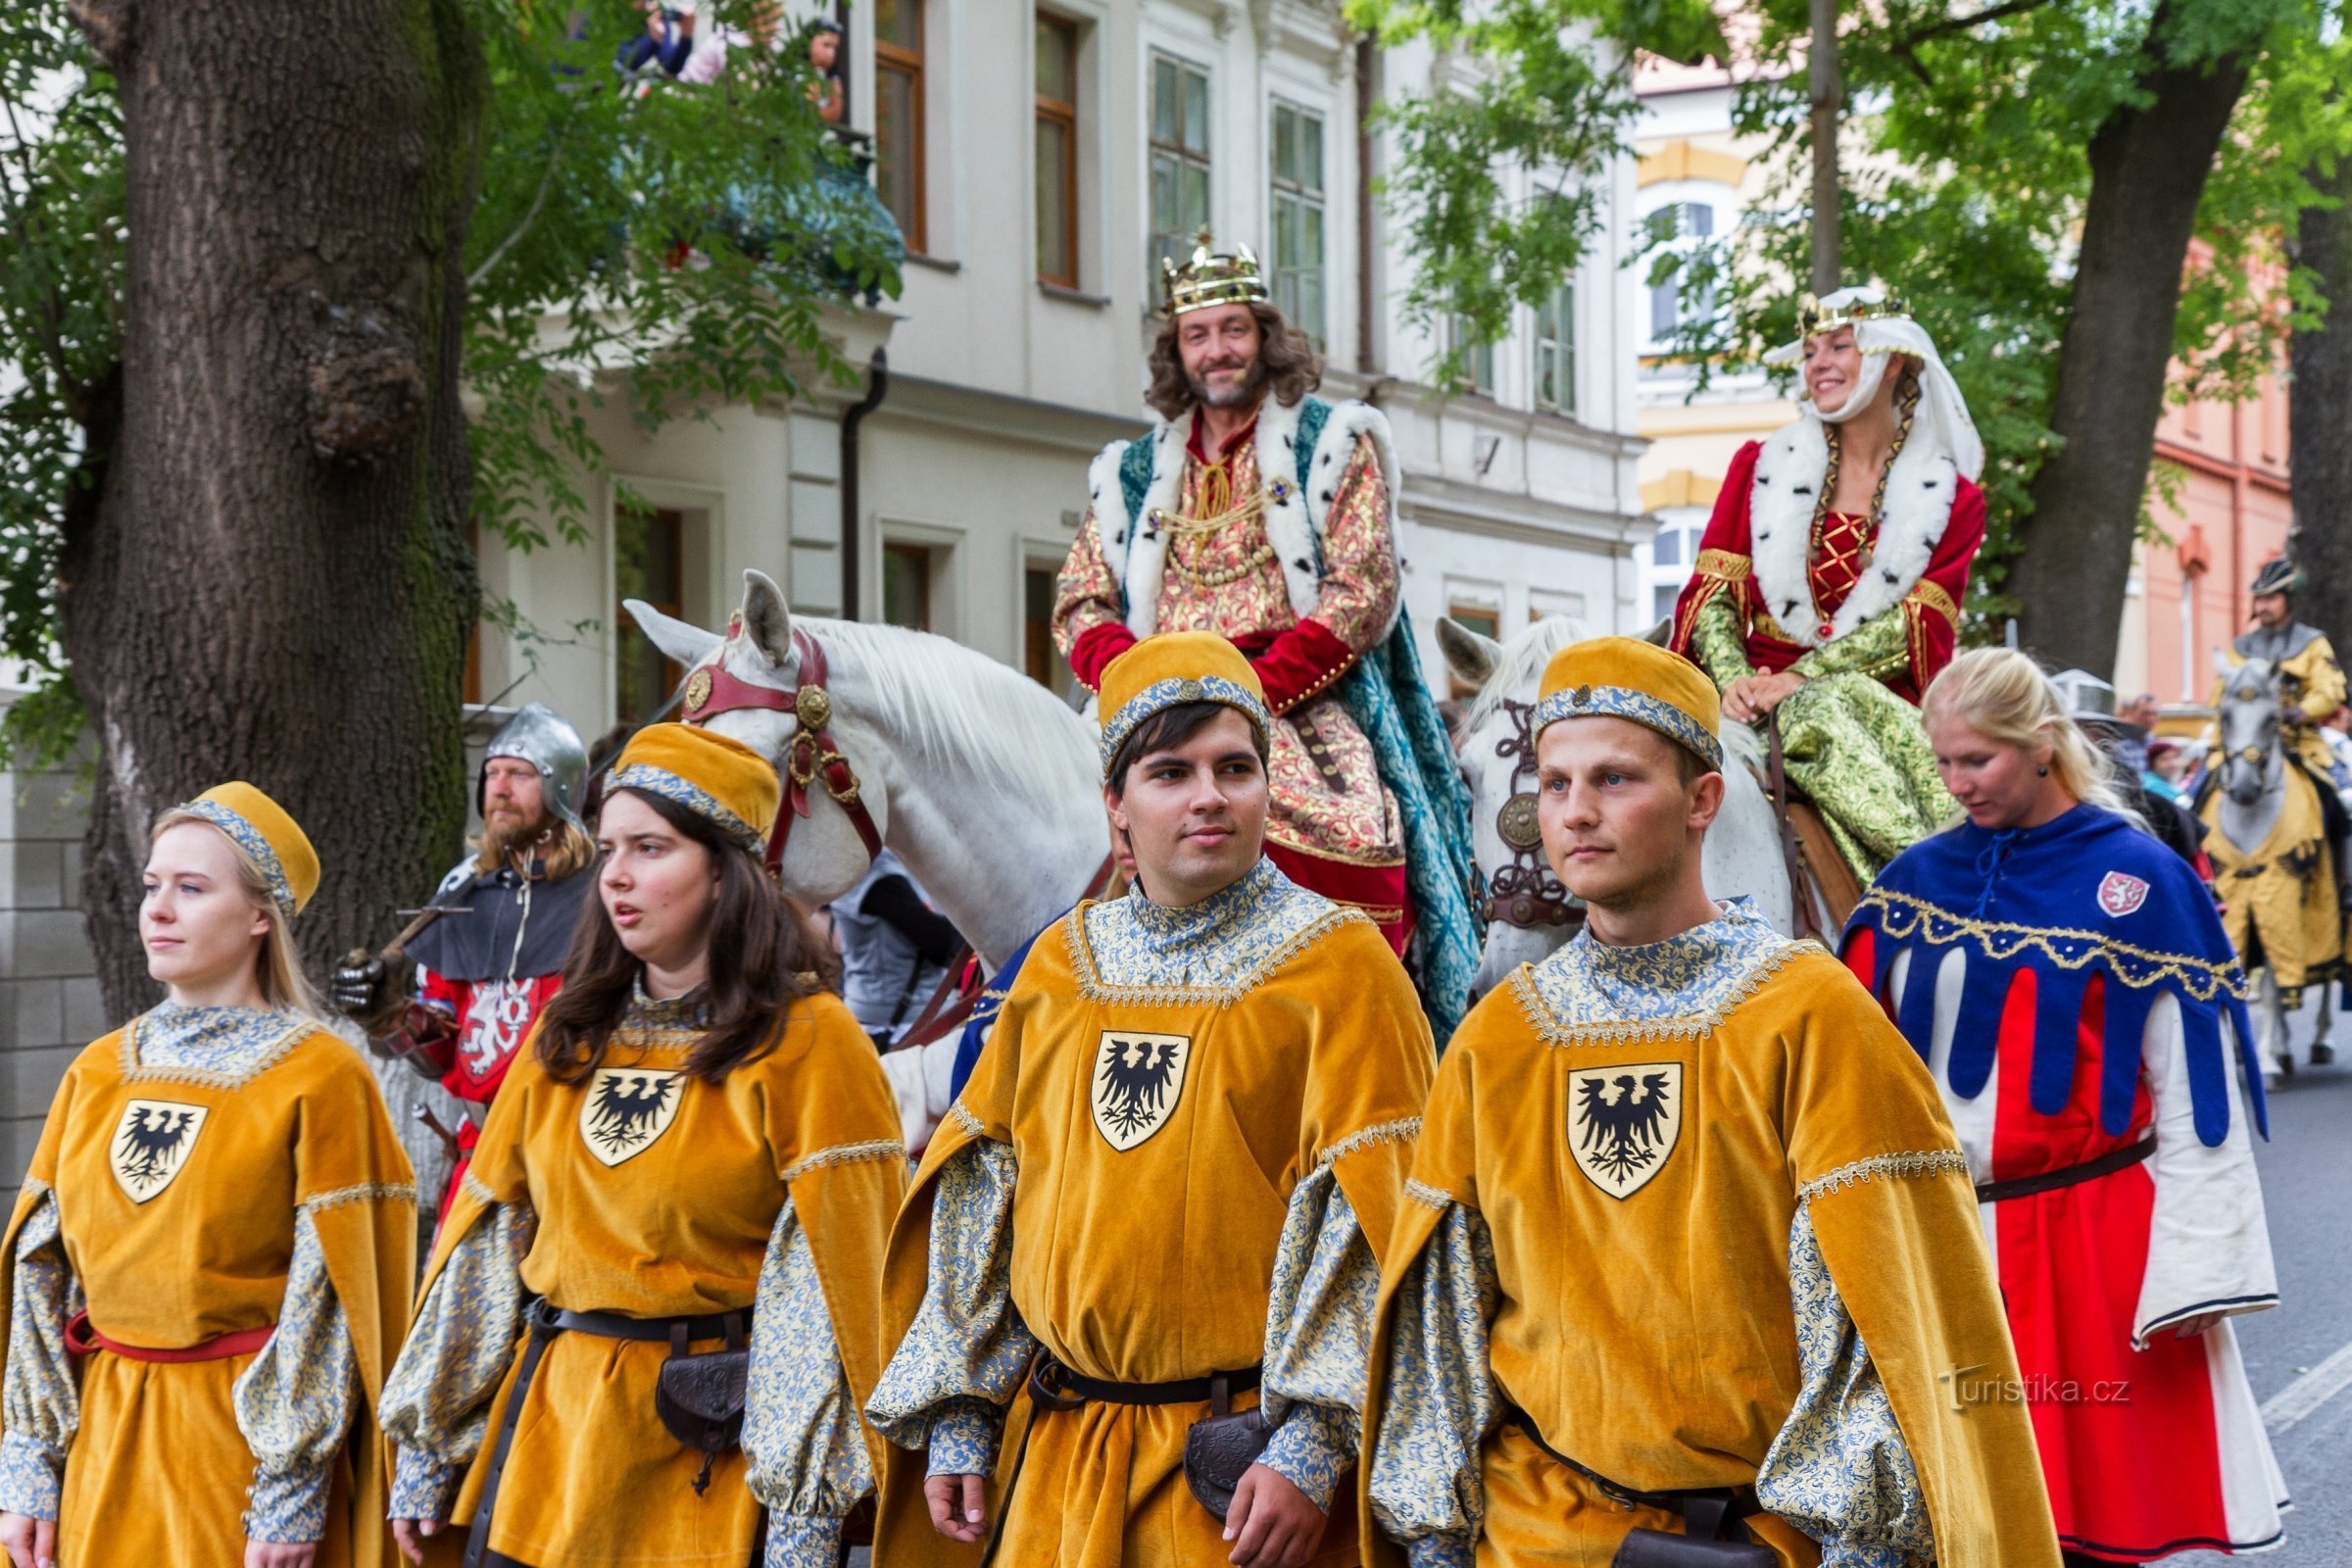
1931, 609
1722, 550
1092, 649
1299, 663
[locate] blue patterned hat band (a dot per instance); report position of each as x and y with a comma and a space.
1623, 702
680, 791
1160, 696
249, 838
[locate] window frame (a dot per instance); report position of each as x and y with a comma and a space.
1206, 159
892, 58
925, 561
675, 521
1559, 314
1064, 115
1318, 200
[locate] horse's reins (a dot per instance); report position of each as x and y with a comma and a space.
810, 756
1524, 893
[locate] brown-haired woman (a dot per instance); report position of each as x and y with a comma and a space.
698, 1154
210, 1262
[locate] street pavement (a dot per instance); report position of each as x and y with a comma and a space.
2299, 1353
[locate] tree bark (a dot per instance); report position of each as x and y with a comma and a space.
275, 581
2320, 408
2148, 165
1826, 96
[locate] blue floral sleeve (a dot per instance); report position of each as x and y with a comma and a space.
295, 1403
1425, 1487
40, 1404
804, 1451
1324, 1291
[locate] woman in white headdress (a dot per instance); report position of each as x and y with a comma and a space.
1828, 588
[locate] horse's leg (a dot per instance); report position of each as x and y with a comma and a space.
2321, 1052
2276, 1051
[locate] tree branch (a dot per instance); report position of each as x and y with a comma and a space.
554, 156
1908, 41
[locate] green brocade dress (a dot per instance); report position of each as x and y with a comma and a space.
1854, 746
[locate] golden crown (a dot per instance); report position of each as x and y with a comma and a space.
1211, 278
1814, 318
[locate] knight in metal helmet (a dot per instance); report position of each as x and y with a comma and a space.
487, 951
2310, 682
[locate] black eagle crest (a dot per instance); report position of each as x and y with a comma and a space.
152, 1143
628, 1108
1623, 1135
1134, 1075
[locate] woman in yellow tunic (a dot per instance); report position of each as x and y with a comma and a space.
1164, 1190
210, 1262
696, 1152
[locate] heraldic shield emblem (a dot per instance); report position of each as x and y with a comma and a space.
1137, 1080
626, 1108
2120, 893
1623, 1122
151, 1144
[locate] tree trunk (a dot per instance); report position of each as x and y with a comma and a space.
1826, 96
2148, 165
2318, 411
274, 582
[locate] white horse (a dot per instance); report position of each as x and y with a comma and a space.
981, 780
2251, 784
1743, 855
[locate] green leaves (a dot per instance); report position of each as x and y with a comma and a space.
675, 246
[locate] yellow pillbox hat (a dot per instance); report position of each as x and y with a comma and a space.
721, 780
1625, 677
261, 827
1170, 670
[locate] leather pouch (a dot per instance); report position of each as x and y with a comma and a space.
1659, 1548
701, 1398
1220, 1447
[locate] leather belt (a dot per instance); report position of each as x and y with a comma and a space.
542, 1323
1703, 1510
2049, 1181
83, 1340
1057, 1388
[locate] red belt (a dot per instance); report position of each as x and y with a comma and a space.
83, 1340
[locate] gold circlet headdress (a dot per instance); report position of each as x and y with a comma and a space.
1814, 318
1211, 278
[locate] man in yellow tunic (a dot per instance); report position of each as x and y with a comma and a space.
1688, 1243
2310, 681
1160, 1199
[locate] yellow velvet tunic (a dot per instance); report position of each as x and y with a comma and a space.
1157, 1232
671, 1213
181, 1193
1690, 1188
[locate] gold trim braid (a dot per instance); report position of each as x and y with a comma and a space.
1094, 989
1903, 917
1930, 595
1403, 1130
363, 1193
843, 1155
1725, 565
1693, 1026
1919, 1163
1421, 1191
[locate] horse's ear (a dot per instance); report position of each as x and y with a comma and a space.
1662, 633
2222, 663
767, 617
681, 642
1470, 655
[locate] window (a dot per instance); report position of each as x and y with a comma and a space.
1057, 151
1179, 162
1038, 657
1556, 352
906, 586
1676, 231
648, 547
1298, 217
1476, 372
899, 113
1670, 553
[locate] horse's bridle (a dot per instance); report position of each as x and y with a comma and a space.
810, 756
1525, 892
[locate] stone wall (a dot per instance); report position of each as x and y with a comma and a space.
49, 1007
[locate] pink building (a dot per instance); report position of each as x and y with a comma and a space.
2228, 512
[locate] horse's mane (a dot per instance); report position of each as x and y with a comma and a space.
1521, 666
958, 708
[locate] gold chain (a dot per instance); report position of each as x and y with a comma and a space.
1907, 401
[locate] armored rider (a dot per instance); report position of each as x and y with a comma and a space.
492, 954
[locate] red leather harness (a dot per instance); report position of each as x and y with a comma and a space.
810, 756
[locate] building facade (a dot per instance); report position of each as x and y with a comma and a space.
1040, 165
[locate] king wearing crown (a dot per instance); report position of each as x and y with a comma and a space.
1828, 588
1258, 510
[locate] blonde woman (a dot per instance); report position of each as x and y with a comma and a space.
2069, 984
210, 1260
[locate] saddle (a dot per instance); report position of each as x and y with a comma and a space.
1818, 879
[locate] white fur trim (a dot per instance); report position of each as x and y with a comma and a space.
1789, 473
1136, 553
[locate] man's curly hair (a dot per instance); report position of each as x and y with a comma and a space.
1288, 365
